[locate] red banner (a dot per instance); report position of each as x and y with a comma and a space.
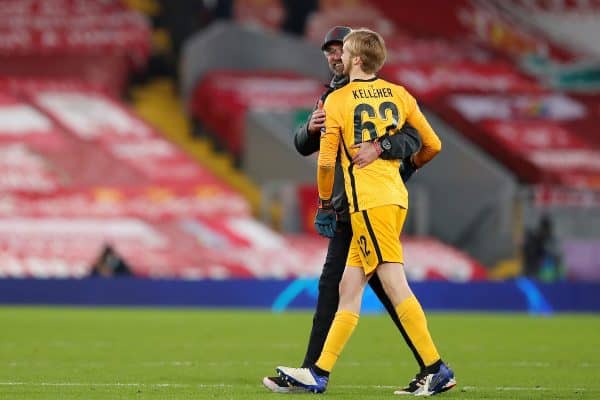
466, 20
560, 196
308, 196
560, 155
538, 136
518, 106
59, 27
427, 82
404, 49
59, 7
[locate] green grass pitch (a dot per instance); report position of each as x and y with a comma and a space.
113, 353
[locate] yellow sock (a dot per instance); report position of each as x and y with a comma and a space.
341, 329
413, 320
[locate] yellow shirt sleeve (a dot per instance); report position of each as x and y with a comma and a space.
330, 142
431, 144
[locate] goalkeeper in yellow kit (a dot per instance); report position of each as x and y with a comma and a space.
364, 110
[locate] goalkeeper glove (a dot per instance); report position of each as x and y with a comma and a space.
325, 220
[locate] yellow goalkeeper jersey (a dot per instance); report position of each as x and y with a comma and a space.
361, 111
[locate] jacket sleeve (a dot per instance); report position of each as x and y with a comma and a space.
306, 144
403, 144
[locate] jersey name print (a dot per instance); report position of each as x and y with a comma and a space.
372, 93
369, 110
363, 111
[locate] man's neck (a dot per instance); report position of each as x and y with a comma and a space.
360, 74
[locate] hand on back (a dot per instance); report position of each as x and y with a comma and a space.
367, 153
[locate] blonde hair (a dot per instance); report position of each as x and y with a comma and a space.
369, 46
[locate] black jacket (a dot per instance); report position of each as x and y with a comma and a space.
404, 144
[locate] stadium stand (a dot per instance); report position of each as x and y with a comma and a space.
81, 169
476, 71
534, 122
98, 42
572, 25
269, 129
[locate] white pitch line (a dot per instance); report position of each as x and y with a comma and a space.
169, 363
116, 384
520, 388
223, 385
517, 388
175, 385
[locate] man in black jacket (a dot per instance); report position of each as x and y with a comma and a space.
307, 139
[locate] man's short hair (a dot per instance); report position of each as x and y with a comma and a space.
369, 46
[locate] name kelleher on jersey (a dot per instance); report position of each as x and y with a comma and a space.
372, 93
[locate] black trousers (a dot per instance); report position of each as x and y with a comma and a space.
329, 296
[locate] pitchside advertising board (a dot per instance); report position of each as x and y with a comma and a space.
520, 295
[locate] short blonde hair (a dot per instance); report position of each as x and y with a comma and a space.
369, 46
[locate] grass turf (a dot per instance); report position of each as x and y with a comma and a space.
82, 353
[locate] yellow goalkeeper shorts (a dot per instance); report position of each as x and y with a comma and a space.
376, 237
